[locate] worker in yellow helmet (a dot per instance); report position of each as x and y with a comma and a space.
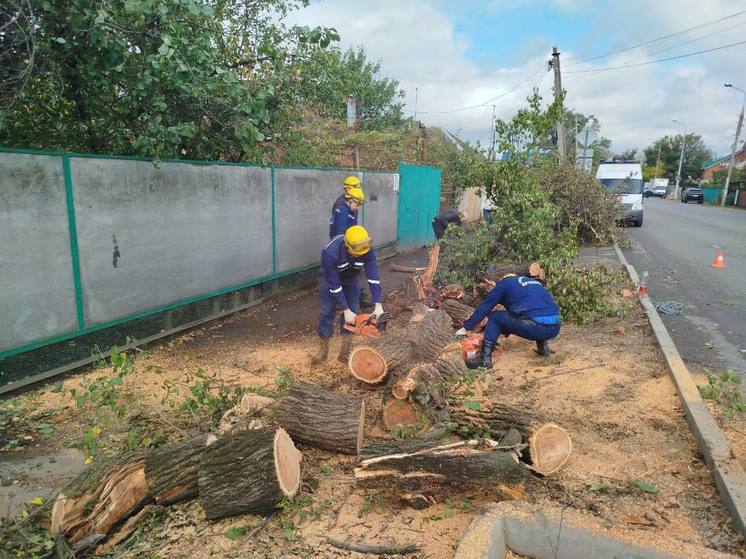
342, 259
350, 182
344, 215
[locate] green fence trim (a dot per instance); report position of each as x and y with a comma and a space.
73, 232
274, 232
188, 161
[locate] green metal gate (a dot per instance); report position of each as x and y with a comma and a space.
419, 200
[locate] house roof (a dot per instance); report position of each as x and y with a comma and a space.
712, 162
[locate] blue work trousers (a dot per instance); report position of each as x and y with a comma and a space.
328, 305
487, 215
502, 322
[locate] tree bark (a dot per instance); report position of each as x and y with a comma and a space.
400, 351
495, 418
248, 472
415, 462
318, 417
171, 471
458, 311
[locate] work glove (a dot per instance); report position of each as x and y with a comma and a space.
350, 317
461, 333
377, 310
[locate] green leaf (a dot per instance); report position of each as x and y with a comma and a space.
57, 386
326, 470
472, 405
235, 533
599, 486
60, 40
646, 486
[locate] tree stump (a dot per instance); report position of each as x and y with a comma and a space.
319, 417
248, 472
415, 462
171, 471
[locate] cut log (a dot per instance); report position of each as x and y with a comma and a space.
407, 269
494, 418
371, 362
419, 311
458, 311
319, 417
399, 351
425, 462
100, 498
248, 472
171, 471
432, 267
550, 448
430, 376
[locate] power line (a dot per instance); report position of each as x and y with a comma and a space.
489, 101
681, 44
656, 61
658, 39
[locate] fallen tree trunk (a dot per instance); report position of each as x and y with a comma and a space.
458, 311
248, 471
495, 418
400, 351
171, 471
319, 417
100, 498
425, 462
430, 376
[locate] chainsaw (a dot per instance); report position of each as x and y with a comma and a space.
368, 325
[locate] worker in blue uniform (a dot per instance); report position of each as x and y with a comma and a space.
344, 215
350, 182
342, 259
530, 312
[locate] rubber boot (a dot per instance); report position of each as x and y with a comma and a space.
542, 348
322, 354
484, 359
344, 351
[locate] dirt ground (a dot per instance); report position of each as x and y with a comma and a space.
635, 464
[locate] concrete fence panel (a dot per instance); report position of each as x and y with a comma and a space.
379, 212
37, 296
303, 201
151, 235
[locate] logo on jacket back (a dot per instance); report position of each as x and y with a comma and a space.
524, 281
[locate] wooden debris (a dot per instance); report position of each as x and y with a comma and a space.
248, 471
458, 311
402, 549
318, 417
415, 462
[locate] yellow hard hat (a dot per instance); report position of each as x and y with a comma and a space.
355, 194
357, 240
352, 182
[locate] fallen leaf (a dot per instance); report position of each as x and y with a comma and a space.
38, 501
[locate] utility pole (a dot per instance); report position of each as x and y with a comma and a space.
681, 158
558, 95
657, 162
416, 93
735, 146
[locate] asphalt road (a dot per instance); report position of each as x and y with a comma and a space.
676, 245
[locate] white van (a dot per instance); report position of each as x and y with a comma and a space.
624, 178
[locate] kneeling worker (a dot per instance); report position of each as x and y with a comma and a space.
341, 262
444, 219
530, 313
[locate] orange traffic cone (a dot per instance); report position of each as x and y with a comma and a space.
719, 261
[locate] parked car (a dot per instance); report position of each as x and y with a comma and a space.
647, 193
660, 191
692, 193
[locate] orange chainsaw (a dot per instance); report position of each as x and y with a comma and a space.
368, 325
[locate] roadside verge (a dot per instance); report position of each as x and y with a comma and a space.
727, 472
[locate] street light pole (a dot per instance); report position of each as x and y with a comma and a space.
735, 145
681, 158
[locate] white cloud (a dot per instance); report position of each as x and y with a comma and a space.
418, 45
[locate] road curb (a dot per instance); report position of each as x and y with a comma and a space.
726, 470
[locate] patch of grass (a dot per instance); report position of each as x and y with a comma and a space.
371, 502
294, 511
725, 390
646, 486
20, 424
25, 536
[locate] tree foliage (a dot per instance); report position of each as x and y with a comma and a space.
161, 78
695, 154
331, 76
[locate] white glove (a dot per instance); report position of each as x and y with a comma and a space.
378, 310
350, 316
461, 333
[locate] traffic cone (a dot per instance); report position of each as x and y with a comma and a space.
719, 261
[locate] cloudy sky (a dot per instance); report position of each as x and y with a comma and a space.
463, 53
